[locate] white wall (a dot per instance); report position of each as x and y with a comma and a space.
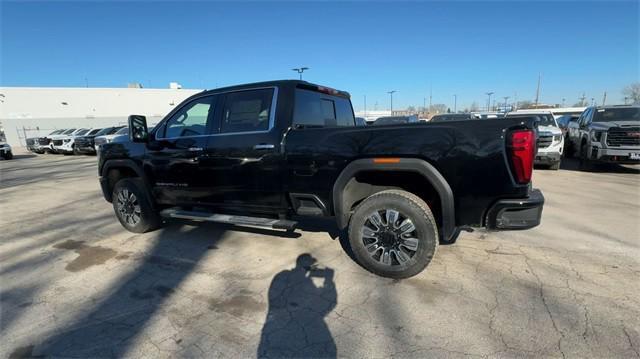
43, 108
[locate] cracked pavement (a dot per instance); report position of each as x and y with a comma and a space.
74, 283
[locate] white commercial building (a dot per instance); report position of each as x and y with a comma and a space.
36, 111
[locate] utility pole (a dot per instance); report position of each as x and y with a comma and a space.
582, 99
489, 100
505, 103
365, 106
455, 103
430, 96
538, 89
300, 70
515, 100
424, 103
604, 98
391, 94
593, 101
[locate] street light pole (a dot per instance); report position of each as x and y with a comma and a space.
391, 94
300, 70
489, 100
505, 103
455, 103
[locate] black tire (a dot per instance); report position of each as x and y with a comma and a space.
134, 213
75, 151
585, 163
400, 262
555, 166
7, 155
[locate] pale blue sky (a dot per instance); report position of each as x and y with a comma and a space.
366, 48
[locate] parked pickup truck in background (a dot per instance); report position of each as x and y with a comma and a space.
262, 154
606, 134
550, 142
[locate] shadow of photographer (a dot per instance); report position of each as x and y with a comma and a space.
295, 325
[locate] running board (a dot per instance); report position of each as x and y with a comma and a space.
224, 218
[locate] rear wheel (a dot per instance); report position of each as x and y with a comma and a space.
393, 234
133, 206
75, 150
7, 155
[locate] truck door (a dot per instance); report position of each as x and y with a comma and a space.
244, 157
175, 156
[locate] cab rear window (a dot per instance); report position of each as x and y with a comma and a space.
315, 109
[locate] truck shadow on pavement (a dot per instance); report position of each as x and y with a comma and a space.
295, 324
572, 164
111, 327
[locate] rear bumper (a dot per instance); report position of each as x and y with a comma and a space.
518, 213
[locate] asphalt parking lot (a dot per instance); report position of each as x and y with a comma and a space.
74, 283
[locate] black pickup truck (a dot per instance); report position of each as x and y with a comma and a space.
263, 154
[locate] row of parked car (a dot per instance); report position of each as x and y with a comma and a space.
77, 140
597, 134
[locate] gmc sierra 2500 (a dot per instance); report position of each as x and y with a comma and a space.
258, 154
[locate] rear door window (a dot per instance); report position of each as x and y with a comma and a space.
247, 111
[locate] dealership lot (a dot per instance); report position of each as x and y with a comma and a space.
75, 283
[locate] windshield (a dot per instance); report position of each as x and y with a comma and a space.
617, 114
115, 130
94, 131
123, 131
82, 132
391, 120
69, 131
56, 132
542, 119
104, 131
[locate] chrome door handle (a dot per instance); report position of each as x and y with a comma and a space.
195, 149
264, 146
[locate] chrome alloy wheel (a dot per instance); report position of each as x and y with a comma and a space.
128, 207
390, 237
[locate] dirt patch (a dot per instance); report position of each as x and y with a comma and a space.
88, 256
70, 245
237, 305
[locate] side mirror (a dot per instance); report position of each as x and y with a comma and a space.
138, 131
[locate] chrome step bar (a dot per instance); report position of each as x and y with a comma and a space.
229, 219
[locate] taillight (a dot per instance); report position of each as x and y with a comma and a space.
523, 149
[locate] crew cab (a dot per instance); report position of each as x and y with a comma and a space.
550, 137
264, 154
606, 134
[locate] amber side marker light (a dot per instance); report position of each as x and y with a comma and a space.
386, 160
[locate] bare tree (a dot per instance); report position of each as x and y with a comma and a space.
632, 92
474, 107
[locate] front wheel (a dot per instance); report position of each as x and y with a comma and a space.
133, 206
7, 155
393, 234
585, 163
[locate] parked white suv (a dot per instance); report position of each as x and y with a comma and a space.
65, 144
550, 138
